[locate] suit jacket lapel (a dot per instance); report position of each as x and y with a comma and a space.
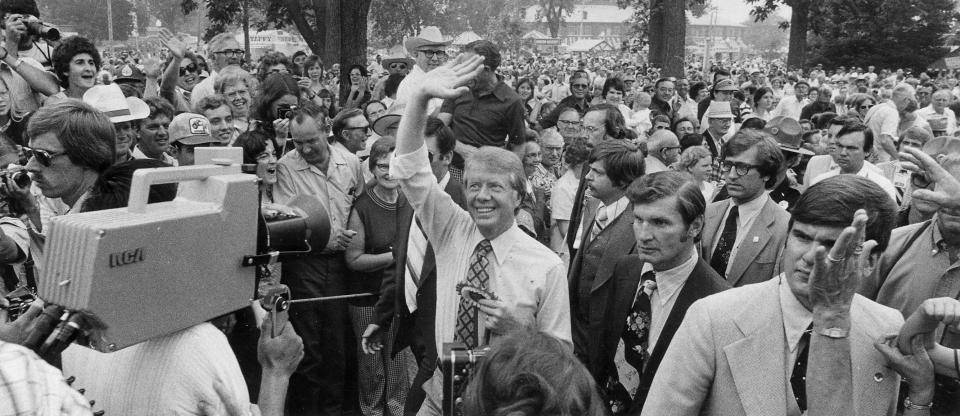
621, 242
872, 380
711, 227
756, 361
755, 240
404, 220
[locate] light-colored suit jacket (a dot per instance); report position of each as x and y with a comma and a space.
758, 257
727, 358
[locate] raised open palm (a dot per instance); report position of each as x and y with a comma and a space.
450, 80
174, 44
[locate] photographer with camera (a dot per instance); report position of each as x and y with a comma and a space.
25, 62
485, 262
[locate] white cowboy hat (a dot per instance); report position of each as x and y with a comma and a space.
428, 36
109, 100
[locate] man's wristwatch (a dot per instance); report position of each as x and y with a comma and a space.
909, 404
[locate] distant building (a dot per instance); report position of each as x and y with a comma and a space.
722, 36
590, 20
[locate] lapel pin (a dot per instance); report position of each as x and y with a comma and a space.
878, 377
756, 239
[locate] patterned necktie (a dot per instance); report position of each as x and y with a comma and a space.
599, 223
637, 332
467, 330
721, 254
798, 380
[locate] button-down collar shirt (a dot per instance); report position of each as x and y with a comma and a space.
669, 283
790, 106
747, 214
524, 274
336, 188
609, 212
796, 320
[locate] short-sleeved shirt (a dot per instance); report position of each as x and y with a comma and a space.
23, 99
337, 188
489, 119
883, 119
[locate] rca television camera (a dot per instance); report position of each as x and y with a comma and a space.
148, 270
458, 364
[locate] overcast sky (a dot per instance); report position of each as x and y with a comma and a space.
739, 10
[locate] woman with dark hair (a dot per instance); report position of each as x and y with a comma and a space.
359, 91
612, 93
531, 105
273, 63
763, 103
258, 148
530, 374
699, 91
312, 72
76, 62
382, 377
279, 95
299, 62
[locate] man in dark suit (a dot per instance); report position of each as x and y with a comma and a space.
408, 295
744, 235
652, 289
606, 236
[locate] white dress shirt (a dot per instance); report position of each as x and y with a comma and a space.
524, 274
669, 283
605, 214
796, 320
789, 106
866, 172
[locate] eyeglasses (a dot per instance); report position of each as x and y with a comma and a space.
569, 123
237, 93
580, 86
231, 52
44, 157
431, 54
366, 129
667, 149
192, 68
741, 168
281, 70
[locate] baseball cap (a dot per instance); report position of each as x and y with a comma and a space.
129, 73
190, 129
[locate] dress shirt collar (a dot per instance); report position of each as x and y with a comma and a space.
336, 159
504, 243
753, 207
796, 318
615, 209
444, 180
670, 281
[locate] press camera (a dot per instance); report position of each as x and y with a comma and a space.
458, 364
147, 270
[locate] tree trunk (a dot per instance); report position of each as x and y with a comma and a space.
352, 25
656, 33
674, 34
315, 38
797, 56
334, 26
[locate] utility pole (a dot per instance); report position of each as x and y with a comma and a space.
110, 21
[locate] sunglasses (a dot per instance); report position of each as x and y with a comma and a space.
580, 86
366, 129
398, 66
192, 68
44, 157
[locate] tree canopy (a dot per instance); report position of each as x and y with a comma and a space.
90, 18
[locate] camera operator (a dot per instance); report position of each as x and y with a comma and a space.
71, 144
189, 371
23, 60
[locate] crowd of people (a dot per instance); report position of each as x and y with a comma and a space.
624, 243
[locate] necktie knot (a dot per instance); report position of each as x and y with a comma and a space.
649, 282
483, 247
